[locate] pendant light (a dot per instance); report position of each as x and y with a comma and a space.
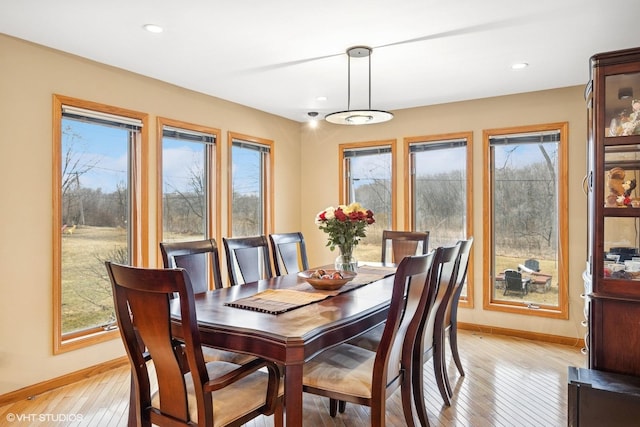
358, 117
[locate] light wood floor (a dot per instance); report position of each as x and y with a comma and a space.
509, 382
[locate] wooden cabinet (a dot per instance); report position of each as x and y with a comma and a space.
612, 278
598, 399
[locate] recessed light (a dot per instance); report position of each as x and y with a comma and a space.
321, 98
153, 28
519, 66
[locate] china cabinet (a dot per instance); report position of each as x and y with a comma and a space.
612, 278
608, 392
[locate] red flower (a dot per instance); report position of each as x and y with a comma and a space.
340, 215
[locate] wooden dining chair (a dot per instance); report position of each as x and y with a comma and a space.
189, 391
402, 244
447, 316
201, 261
200, 258
451, 315
289, 253
425, 347
348, 373
248, 259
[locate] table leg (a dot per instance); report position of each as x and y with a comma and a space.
293, 395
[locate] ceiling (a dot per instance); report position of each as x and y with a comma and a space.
279, 56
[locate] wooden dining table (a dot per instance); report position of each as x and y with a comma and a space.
292, 337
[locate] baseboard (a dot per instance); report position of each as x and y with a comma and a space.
534, 336
69, 378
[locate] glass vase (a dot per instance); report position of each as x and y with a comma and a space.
346, 261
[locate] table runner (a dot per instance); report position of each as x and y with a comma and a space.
276, 301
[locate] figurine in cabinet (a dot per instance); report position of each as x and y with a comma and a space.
615, 183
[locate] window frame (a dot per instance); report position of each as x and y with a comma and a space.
140, 210
213, 221
489, 303
344, 190
468, 300
268, 180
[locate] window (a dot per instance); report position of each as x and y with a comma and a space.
367, 174
440, 193
96, 214
526, 220
251, 184
189, 176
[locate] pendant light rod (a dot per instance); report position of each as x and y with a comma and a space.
358, 117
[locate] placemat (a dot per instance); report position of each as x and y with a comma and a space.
276, 301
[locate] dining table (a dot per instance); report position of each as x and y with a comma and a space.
291, 332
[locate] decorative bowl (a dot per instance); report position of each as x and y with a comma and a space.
326, 284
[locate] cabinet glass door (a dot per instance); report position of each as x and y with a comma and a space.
622, 105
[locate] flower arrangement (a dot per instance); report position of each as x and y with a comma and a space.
345, 225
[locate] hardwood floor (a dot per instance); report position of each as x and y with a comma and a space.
509, 382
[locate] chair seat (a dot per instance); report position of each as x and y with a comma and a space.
343, 369
216, 355
231, 402
370, 339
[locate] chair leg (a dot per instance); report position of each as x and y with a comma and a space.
417, 375
453, 343
333, 407
133, 413
439, 365
407, 402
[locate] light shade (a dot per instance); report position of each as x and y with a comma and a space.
358, 117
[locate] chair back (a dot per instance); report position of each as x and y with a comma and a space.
513, 282
451, 307
248, 259
200, 258
445, 268
289, 253
402, 244
513, 279
142, 301
409, 301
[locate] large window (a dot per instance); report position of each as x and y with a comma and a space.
189, 177
97, 185
367, 174
439, 191
525, 231
251, 183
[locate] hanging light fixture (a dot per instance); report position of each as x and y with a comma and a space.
358, 117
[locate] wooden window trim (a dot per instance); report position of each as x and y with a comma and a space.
213, 179
140, 241
562, 311
409, 220
268, 183
342, 171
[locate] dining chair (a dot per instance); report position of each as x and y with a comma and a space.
348, 373
200, 259
248, 259
448, 317
513, 282
445, 270
189, 390
289, 253
402, 244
